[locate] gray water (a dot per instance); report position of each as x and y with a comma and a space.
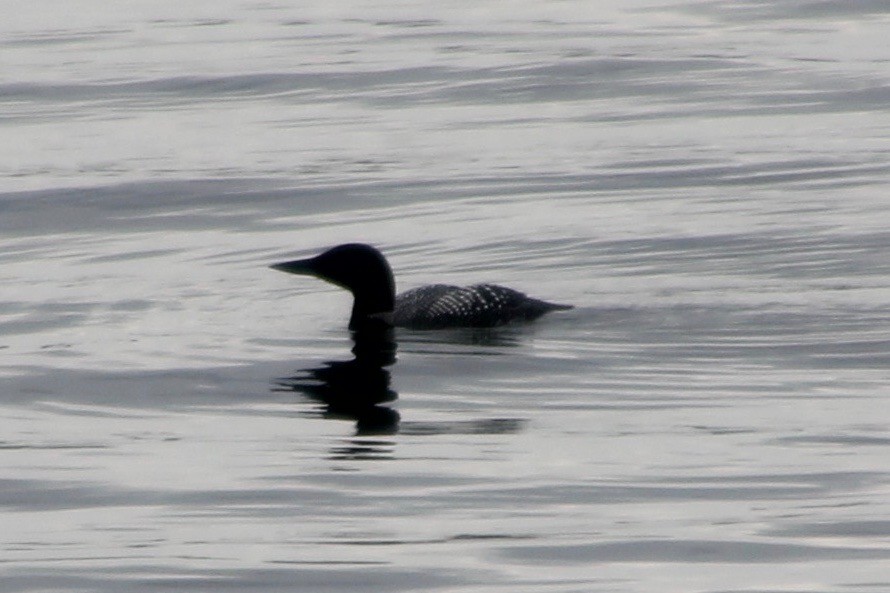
706, 182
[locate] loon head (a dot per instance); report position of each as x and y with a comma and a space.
360, 269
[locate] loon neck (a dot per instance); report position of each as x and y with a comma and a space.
373, 303
362, 319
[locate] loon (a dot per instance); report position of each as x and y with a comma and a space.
362, 270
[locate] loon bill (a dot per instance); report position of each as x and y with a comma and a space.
362, 270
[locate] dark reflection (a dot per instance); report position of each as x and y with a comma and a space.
354, 389
489, 339
362, 449
360, 389
486, 426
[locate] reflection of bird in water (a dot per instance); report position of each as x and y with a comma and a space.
359, 390
354, 389
349, 390
364, 271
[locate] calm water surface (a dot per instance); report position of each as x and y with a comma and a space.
707, 183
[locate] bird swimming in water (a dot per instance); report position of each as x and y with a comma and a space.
362, 270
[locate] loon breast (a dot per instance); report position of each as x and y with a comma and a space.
481, 305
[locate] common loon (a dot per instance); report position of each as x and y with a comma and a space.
362, 270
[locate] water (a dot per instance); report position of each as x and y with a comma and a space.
706, 182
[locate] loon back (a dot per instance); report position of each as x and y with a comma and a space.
364, 271
481, 305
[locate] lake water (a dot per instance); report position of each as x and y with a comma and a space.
707, 182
